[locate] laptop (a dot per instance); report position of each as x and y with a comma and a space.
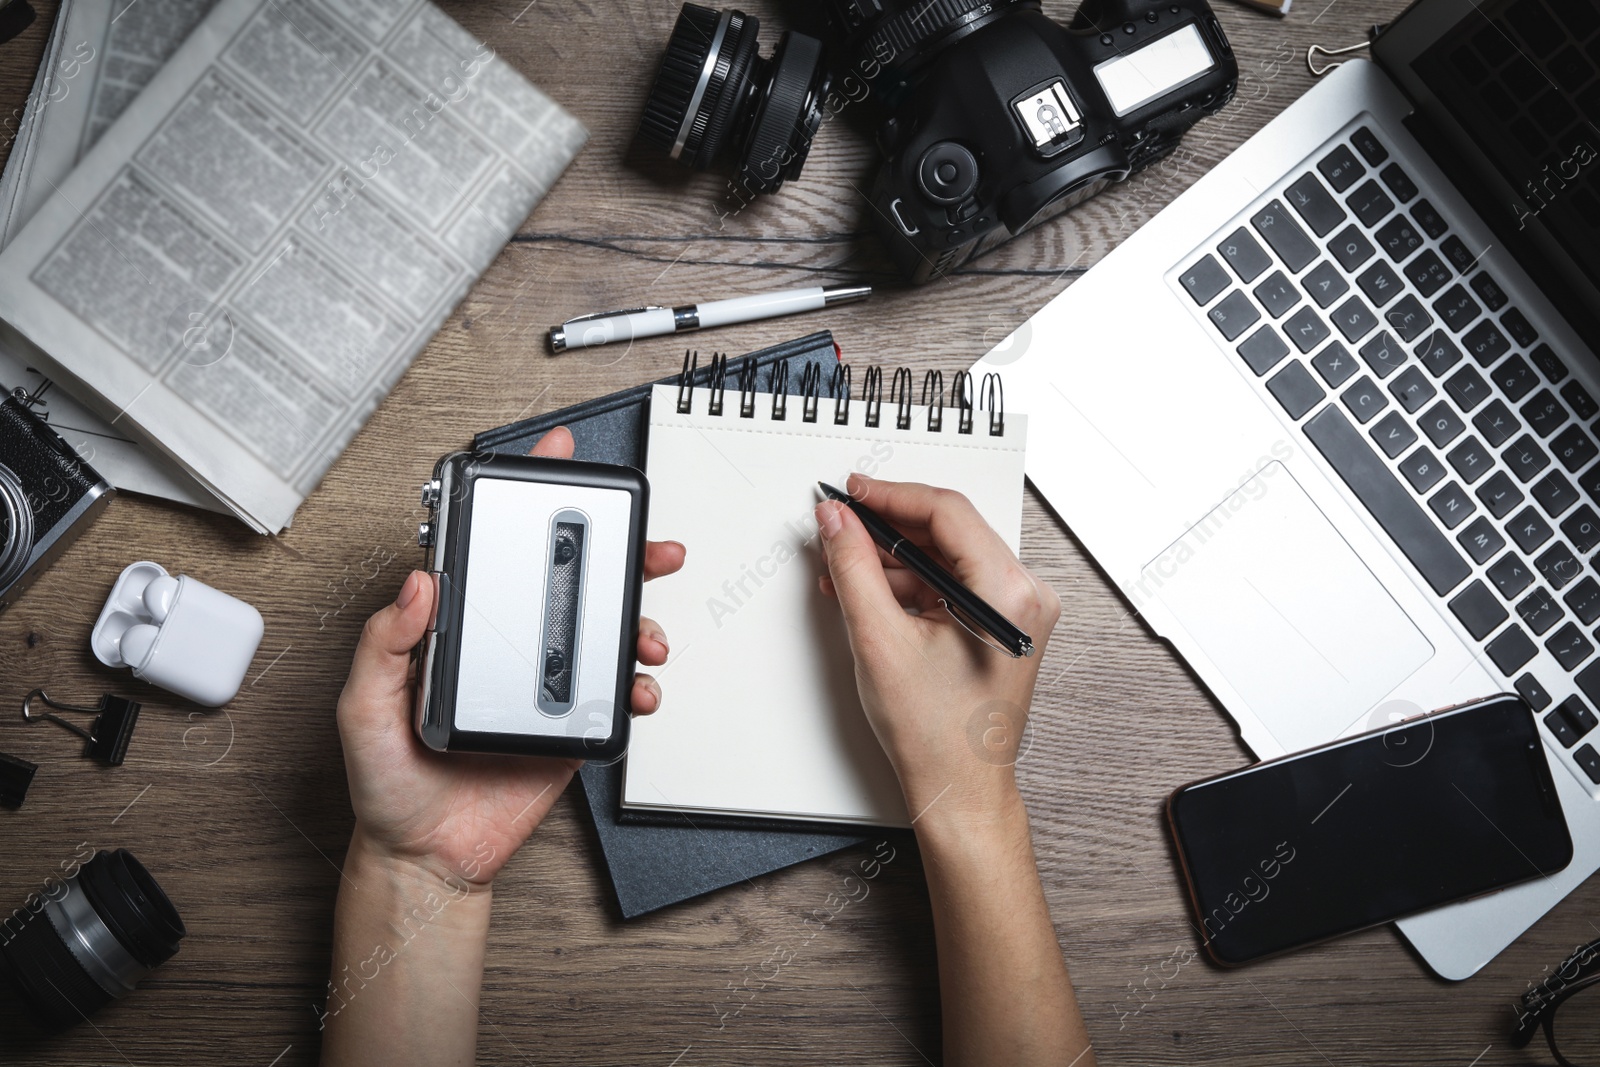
1331, 420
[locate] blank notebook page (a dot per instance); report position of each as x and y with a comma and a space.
759, 714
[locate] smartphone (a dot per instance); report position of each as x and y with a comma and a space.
1372, 828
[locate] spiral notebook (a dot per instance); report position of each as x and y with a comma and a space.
761, 716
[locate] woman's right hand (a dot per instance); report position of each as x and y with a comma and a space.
949, 711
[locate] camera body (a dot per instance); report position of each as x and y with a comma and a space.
538, 570
48, 496
1001, 118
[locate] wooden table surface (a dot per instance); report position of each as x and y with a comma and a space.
244, 815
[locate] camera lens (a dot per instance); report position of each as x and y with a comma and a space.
716, 95
68, 954
16, 528
888, 41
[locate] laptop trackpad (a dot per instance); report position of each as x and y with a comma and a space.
1286, 609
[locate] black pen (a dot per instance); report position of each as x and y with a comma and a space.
957, 599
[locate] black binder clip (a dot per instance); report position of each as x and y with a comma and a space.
15, 777
107, 737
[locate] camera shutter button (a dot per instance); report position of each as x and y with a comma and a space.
948, 173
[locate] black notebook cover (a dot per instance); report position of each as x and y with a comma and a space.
669, 858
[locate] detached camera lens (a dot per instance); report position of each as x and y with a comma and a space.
70, 952
715, 95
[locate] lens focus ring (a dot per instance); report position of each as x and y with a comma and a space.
898, 40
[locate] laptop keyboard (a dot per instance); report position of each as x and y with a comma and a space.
1369, 321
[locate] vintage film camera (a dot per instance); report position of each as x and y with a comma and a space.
537, 566
996, 118
48, 496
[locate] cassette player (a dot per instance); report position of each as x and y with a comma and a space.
537, 566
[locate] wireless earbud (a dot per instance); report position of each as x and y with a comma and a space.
137, 642
158, 599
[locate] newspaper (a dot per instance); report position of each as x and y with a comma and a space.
99, 55
248, 258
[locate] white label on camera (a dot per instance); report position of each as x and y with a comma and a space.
1135, 78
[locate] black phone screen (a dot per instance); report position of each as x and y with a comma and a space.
1369, 829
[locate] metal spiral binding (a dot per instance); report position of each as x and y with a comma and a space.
839, 389
933, 399
747, 389
780, 390
719, 381
691, 363
900, 397
810, 391
872, 395
993, 395
961, 400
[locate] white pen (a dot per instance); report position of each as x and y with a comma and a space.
607, 326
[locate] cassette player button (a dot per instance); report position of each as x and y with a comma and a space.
424, 534
440, 622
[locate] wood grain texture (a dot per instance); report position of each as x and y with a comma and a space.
244, 814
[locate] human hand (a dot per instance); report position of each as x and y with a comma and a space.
459, 815
949, 712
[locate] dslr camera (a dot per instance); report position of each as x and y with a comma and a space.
995, 117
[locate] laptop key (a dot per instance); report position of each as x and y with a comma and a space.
1277, 294
1325, 284
1399, 182
1511, 650
1393, 434
1204, 280
1588, 680
1529, 530
1312, 202
1263, 350
1486, 343
1388, 501
1354, 319
1295, 389
1481, 540
1427, 272
1549, 364
1582, 528
1558, 726
1407, 318
1589, 760
1478, 610
1335, 364
1554, 493
1456, 251
1369, 146
1422, 469
1284, 235
1520, 329
1488, 290
1471, 460
1428, 219
1510, 575
1383, 354
1578, 715
1369, 203
1539, 611
1544, 413
1584, 601
1467, 388
1247, 258
1583, 404
1452, 505
1456, 308
1536, 695
1305, 328
1496, 423
1499, 494
1441, 424
1351, 248
1380, 283
1233, 315
1341, 168
1364, 399
1412, 389
1398, 238
1559, 566
1516, 378
1525, 458
1589, 482
1570, 648
1438, 353
1573, 448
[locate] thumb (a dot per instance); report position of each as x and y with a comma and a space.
380, 669
869, 605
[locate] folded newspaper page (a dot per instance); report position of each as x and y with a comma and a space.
251, 255
99, 56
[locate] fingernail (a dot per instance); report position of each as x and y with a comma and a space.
661, 639
408, 590
828, 518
